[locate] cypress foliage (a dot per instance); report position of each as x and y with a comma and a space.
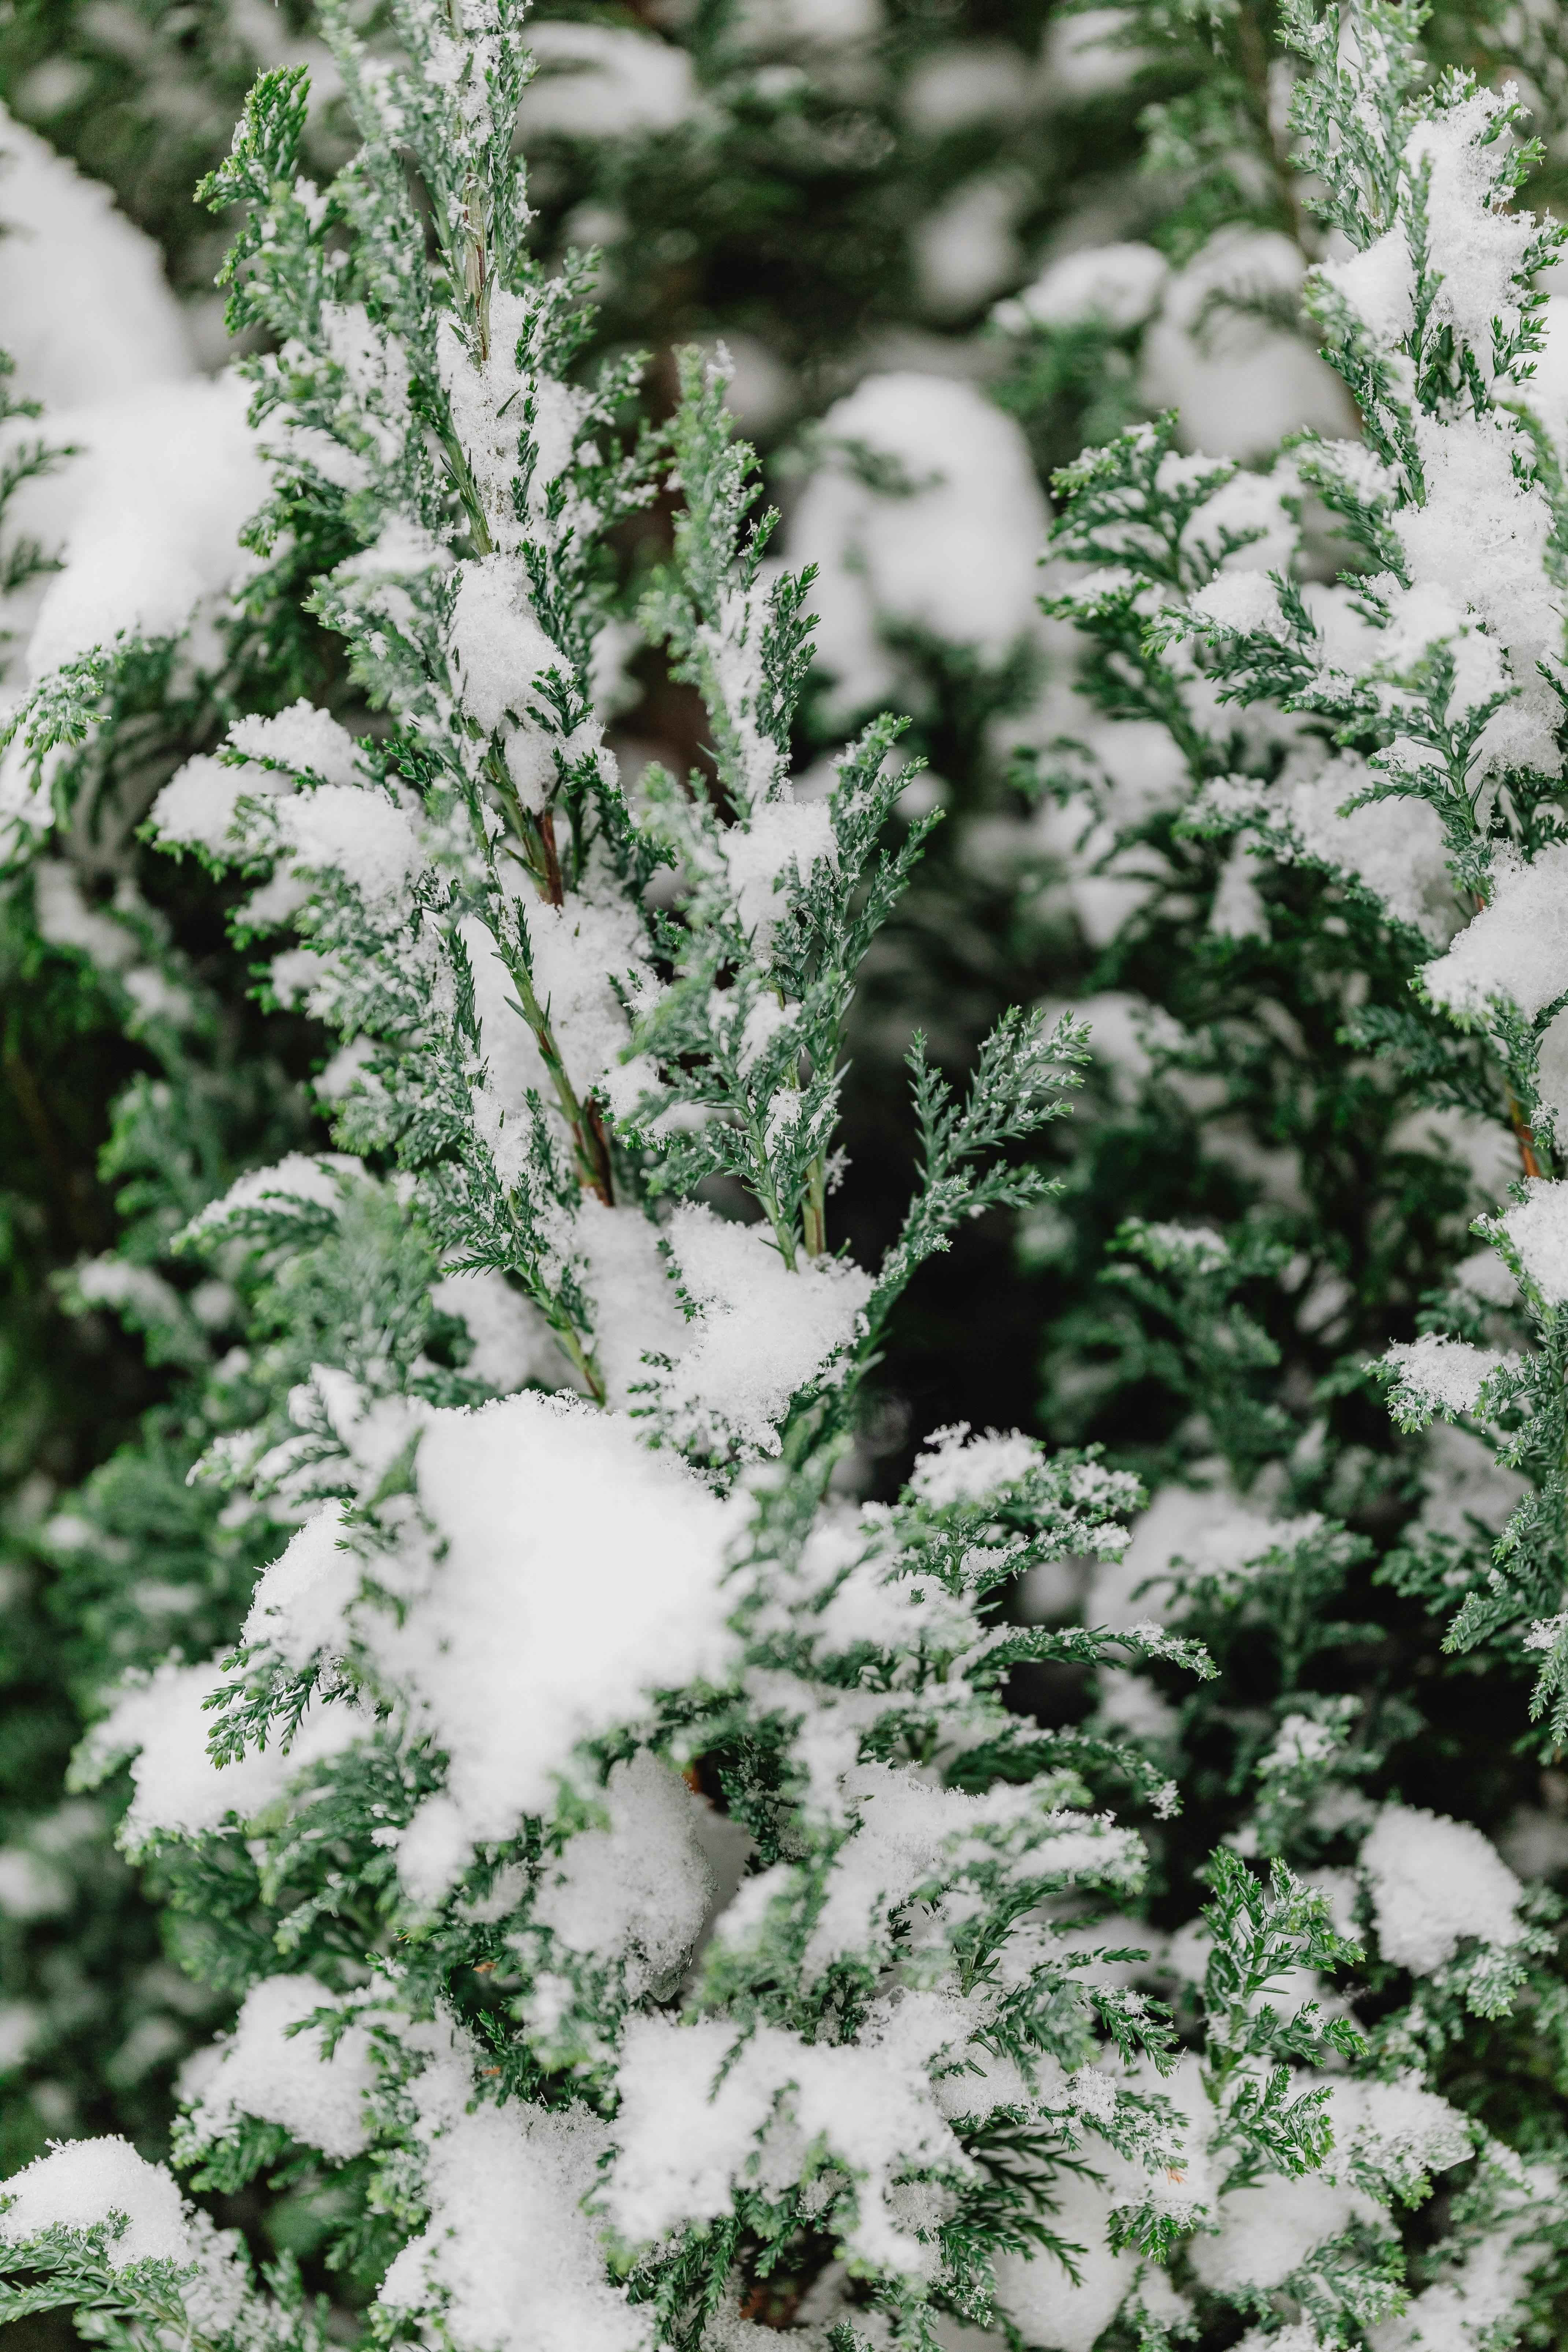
670, 1897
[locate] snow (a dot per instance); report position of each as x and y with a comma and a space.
955, 558
1302, 2338
299, 977
827, 24
578, 951
1379, 284
1434, 1881
639, 1890
1446, 1375
1546, 393
1088, 53
1036, 2291
1266, 2231
580, 1573
955, 1466
1240, 384
1480, 541
1552, 1073
29, 1889
596, 83
1118, 285
198, 806
274, 904
563, 1570
980, 81
1129, 1705
509, 1050
964, 249
1123, 1028
636, 1311
509, 2259
1475, 2303
1300, 1740
531, 763
1242, 604
1393, 848
1239, 911
66, 919
375, 1429
1482, 1148
1478, 248
22, 2022
1248, 507
344, 1071
164, 1725
1211, 1531
301, 738
299, 1602
909, 1832
779, 840
115, 1282
88, 314
1462, 1481
146, 521
1484, 1276
513, 1343
304, 1179
155, 998
359, 832
763, 1331
499, 404
1538, 1228
264, 2069
497, 648
1400, 2129
692, 2126
79, 2185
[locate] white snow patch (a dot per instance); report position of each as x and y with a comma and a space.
80, 2184
1434, 1881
